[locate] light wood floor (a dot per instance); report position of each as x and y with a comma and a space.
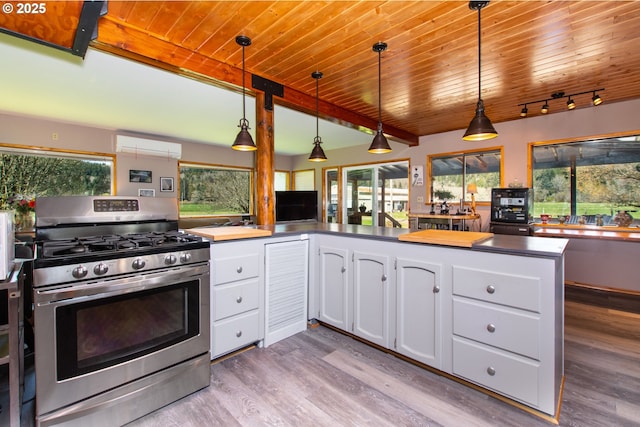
323, 378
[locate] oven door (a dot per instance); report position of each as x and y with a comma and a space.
94, 336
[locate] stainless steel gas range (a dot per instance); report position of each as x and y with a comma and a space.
121, 309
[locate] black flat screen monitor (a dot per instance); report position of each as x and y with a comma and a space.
296, 206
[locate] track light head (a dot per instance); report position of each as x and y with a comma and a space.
571, 104
524, 111
596, 100
545, 108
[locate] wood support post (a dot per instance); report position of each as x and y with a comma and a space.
265, 163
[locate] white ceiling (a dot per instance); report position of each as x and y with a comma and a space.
110, 92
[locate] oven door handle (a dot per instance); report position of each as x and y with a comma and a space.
136, 282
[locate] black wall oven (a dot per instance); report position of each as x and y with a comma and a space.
121, 321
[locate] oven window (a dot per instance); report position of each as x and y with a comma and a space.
100, 333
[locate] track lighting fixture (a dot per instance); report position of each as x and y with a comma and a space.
317, 154
244, 141
571, 103
480, 127
379, 145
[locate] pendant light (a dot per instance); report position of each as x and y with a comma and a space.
379, 145
480, 127
317, 154
243, 141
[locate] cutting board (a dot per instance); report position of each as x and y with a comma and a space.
446, 237
229, 233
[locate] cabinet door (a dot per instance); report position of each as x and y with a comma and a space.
333, 273
418, 332
286, 283
371, 284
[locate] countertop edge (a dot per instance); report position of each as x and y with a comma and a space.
506, 244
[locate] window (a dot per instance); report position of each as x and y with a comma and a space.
592, 178
376, 194
27, 173
450, 174
304, 180
207, 190
281, 181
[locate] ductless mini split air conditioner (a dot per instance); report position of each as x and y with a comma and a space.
147, 147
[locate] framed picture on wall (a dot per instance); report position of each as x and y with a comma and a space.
139, 176
166, 184
146, 192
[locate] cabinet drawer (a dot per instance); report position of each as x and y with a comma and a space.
507, 289
232, 268
515, 331
235, 298
503, 372
235, 332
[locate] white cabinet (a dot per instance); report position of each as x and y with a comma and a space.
508, 326
237, 295
333, 284
286, 285
354, 286
418, 313
371, 288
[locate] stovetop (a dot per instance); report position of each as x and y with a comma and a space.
57, 252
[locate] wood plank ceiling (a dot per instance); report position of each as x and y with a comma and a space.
530, 49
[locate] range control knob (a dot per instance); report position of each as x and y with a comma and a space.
138, 264
101, 269
79, 272
170, 259
185, 257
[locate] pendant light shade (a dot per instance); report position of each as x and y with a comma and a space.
480, 127
379, 145
244, 141
317, 154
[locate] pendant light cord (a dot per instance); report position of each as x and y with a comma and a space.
317, 111
479, 56
379, 93
244, 116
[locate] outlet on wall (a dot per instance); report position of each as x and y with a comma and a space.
420, 199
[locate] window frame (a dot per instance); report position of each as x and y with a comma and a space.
53, 152
251, 172
464, 153
573, 202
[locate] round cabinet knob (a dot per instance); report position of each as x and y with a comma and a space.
384, 277
185, 257
491, 370
343, 269
239, 269
436, 289
239, 300
491, 289
491, 327
170, 259
239, 334
101, 269
138, 264
79, 272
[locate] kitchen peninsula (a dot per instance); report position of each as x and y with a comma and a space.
489, 315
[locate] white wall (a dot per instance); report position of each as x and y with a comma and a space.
37, 132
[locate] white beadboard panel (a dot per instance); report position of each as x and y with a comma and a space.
287, 277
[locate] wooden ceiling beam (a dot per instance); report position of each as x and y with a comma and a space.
131, 43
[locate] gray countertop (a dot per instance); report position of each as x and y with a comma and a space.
499, 243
